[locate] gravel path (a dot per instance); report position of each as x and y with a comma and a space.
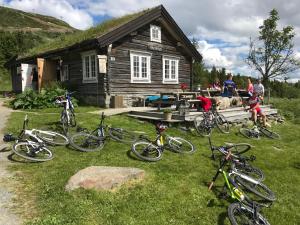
7, 217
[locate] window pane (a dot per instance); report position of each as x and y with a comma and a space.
173, 69
144, 67
135, 66
167, 69
87, 66
155, 33
93, 65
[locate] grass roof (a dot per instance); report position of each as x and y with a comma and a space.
67, 40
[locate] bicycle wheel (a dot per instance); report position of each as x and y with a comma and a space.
146, 151
119, 134
72, 118
64, 122
248, 133
259, 189
250, 171
269, 133
32, 151
202, 126
222, 123
86, 142
238, 149
52, 138
239, 213
180, 145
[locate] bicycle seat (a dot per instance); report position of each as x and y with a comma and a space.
161, 127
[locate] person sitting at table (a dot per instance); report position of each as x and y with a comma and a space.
229, 87
250, 88
216, 85
205, 102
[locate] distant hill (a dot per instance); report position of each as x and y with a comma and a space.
21, 31
17, 20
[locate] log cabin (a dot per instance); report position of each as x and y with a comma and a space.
133, 56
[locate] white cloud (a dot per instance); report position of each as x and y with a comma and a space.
212, 56
60, 9
222, 27
118, 8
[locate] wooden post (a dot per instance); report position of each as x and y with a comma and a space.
40, 70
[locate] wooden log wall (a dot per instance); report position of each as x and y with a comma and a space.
120, 74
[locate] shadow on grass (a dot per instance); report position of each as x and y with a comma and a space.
14, 158
5, 148
221, 218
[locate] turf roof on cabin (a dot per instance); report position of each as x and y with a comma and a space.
79, 36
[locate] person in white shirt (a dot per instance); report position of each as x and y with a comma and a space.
259, 89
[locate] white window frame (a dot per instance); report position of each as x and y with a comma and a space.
64, 73
140, 79
87, 78
170, 80
155, 39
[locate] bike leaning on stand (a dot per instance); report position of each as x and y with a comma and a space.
67, 117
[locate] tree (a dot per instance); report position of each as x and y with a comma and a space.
272, 55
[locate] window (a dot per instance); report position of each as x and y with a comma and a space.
155, 33
170, 70
140, 67
89, 67
65, 73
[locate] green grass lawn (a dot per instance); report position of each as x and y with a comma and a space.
174, 190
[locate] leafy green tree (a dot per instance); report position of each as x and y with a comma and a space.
272, 55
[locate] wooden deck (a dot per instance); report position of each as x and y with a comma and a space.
236, 114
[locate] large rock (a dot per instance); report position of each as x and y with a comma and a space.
103, 177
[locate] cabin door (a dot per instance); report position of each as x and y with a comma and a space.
26, 70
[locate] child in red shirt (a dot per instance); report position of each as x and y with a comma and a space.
253, 102
205, 102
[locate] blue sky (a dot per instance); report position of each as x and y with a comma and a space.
222, 28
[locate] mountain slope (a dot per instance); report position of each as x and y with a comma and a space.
21, 31
16, 20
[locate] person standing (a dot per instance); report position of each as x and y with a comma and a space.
34, 79
250, 88
259, 89
229, 87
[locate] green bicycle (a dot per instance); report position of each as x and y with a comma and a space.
244, 211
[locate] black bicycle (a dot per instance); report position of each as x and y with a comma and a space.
93, 141
257, 131
208, 120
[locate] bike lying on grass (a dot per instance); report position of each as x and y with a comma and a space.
93, 141
67, 117
245, 211
239, 160
151, 150
257, 131
208, 120
32, 144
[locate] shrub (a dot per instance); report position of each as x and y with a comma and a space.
30, 99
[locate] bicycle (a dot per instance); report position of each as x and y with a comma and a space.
32, 144
93, 141
244, 211
67, 117
239, 161
152, 150
208, 120
257, 131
